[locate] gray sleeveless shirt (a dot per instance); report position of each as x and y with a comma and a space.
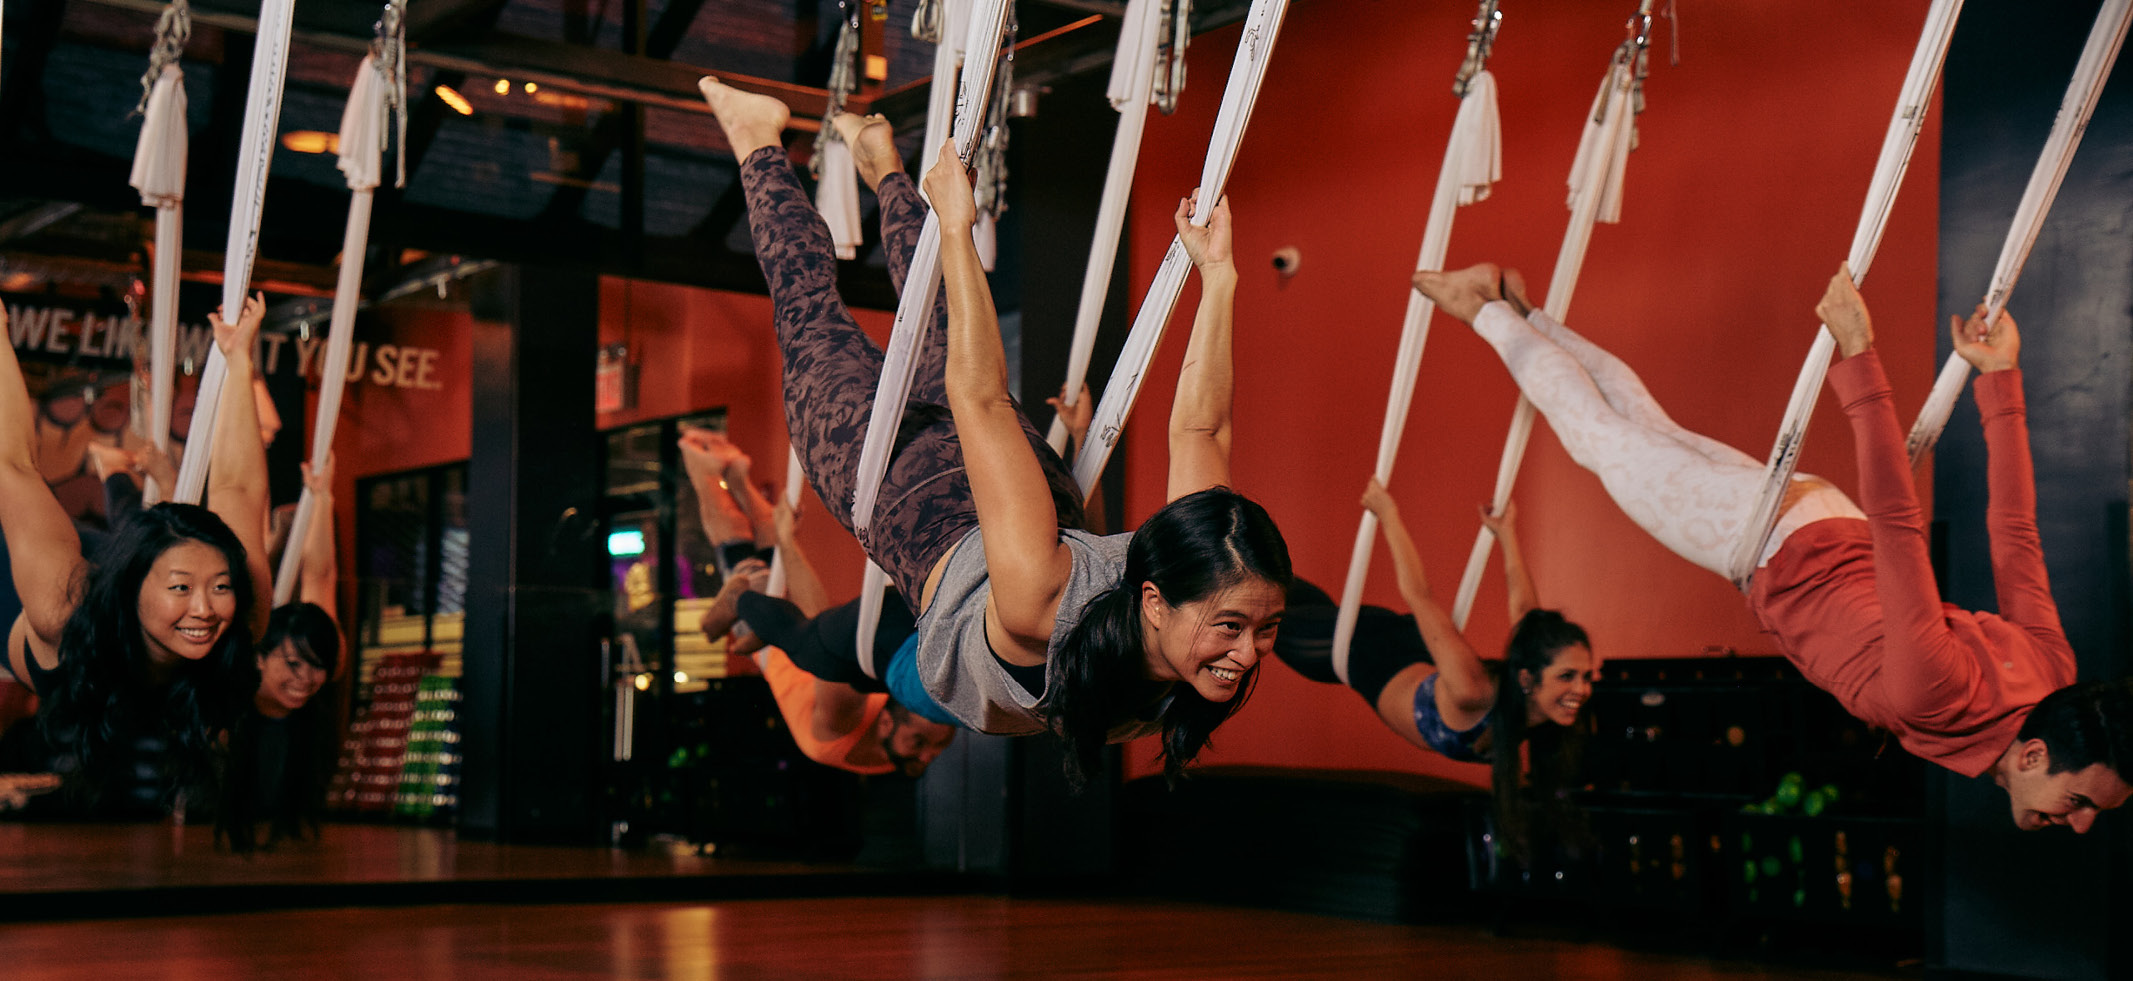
957, 664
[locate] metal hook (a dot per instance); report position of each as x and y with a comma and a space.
1479, 43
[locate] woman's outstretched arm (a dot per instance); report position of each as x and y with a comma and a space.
321, 578
1200, 415
1027, 563
1518, 582
44, 553
237, 472
1465, 691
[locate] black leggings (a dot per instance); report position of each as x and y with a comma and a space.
832, 369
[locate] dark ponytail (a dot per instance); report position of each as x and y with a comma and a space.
1532, 806
1195, 546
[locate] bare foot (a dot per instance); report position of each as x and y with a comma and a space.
1461, 293
873, 145
751, 121
1514, 292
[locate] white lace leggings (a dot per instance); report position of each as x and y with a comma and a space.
1689, 491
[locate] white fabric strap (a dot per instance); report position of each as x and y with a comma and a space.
1911, 105
262, 115
794, 477
1594, 181
871, 587
1132, 86
363, 130
1473, 160
1247, 71
941, 97
914, 314
159, 174
837, 198
2090, 72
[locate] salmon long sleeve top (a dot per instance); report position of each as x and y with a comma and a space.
1854, 603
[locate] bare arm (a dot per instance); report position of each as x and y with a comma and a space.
44, 553
802, 586
1465, 690
1200, 415
1077, 418
1523, 598
1027, 563
237, 472
762, 517
321, 577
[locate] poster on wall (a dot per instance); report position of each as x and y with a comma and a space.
84, 358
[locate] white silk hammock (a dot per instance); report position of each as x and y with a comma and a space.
1247, 71
2097, 56
1132, 88
262, 114
1595, 183
362, 148
914, 313
159, 174
946, 23
1473, 160
836, 177
1911, 105
794, 477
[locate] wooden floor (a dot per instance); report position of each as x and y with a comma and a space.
899, 937
52, 871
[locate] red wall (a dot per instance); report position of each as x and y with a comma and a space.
1753, 160
699, 349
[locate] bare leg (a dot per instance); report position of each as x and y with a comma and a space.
873, 146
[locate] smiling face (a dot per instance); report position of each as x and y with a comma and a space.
186, 602
287, 680
1211, 643
2073, 798
1562, 687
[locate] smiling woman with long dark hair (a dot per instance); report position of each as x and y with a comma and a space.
153, 637
1027, 623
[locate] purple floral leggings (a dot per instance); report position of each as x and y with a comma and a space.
832, 369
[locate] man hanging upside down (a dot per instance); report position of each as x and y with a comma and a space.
845, 722
1850, 593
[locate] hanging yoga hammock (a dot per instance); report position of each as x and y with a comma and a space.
794, 477
1911, 105
2090, 72
159, 174
1255, 46
914, 313
1132, 87
262, 114
946, 23
836, 177
1473, 160
362, 148
1596, 176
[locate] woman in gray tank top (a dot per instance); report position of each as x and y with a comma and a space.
1027, 624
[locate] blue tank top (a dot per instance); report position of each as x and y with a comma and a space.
1454, 744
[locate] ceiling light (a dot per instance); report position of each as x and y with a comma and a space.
532, 88
311, 141
503, 86
452, 98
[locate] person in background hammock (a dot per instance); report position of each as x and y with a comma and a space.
1027, 624
1850, 593
1430, 687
